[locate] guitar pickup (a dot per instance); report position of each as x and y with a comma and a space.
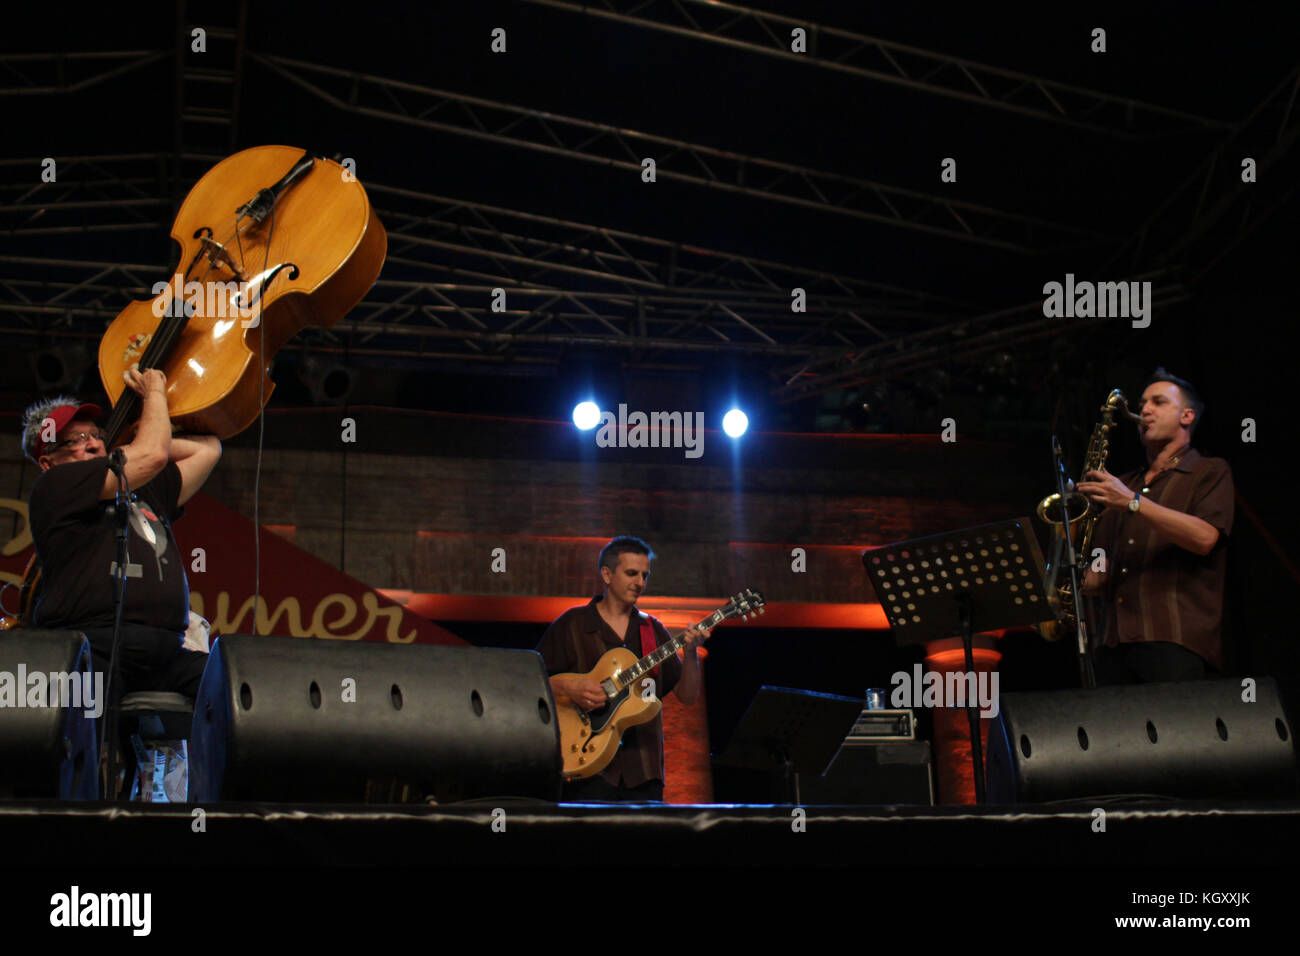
609, 687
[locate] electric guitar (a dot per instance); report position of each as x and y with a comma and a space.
590, 739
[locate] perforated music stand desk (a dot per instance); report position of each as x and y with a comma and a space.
959, 582
791, 731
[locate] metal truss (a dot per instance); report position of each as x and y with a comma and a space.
632, 262
207, 86
577, 286
401, 318
89, 194
36, 74
758, 31
568, 284
1171, 242
676, 160
1214, 191
952, 342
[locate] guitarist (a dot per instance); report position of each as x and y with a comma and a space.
76, 541
576, 640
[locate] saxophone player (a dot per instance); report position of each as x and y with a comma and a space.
1164, 531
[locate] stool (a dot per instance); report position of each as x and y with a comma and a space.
150, 716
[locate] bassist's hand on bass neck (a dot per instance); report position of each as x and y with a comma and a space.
152, 446
147, 452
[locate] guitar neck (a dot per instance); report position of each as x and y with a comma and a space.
664, 651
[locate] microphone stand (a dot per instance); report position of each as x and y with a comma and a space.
1087, 676
121, 515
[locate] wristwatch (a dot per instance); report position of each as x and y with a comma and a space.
1136, 503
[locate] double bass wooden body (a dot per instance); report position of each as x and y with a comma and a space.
249, 280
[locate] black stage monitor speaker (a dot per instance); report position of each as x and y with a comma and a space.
280, 718
1189, 739
48, 747
874, 773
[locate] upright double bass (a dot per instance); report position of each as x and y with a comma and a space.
272, 240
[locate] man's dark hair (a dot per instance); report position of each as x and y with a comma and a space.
623, 544
1191, 397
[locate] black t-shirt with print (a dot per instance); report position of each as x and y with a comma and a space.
76, 541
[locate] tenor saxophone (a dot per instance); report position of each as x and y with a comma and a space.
1083, 521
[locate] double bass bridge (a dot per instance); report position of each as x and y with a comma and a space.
219, 255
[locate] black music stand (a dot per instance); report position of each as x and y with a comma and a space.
791, 731
959, 582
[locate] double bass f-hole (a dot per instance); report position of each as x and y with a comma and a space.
261, 286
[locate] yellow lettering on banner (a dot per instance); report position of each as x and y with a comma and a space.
223, 623
23, 539
318, 626
291, 611
19, 542
393, 614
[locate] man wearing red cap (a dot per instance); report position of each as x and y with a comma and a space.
73, 527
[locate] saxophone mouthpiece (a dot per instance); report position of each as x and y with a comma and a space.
1122, 404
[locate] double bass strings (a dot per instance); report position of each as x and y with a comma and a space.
261, 426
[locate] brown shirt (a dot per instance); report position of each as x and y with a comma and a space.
1157, 590
574, 643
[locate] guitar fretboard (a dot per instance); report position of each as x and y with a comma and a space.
664, 651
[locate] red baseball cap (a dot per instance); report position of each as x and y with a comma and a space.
64, 414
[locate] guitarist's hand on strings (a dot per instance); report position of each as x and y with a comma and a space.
585, 693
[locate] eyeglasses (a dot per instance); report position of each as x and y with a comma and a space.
73, 442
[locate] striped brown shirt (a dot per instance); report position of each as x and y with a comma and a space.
1156, 590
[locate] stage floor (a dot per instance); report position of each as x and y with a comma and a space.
725, 875
502, 832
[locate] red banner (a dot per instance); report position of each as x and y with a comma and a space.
300, 595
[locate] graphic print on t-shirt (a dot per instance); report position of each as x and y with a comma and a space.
146, 524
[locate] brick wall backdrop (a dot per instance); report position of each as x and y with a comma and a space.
430, 522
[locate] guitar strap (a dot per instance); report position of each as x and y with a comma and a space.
648, 642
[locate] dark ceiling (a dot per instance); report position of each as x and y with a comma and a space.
819, 170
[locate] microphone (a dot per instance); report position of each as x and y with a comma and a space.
1060, 460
